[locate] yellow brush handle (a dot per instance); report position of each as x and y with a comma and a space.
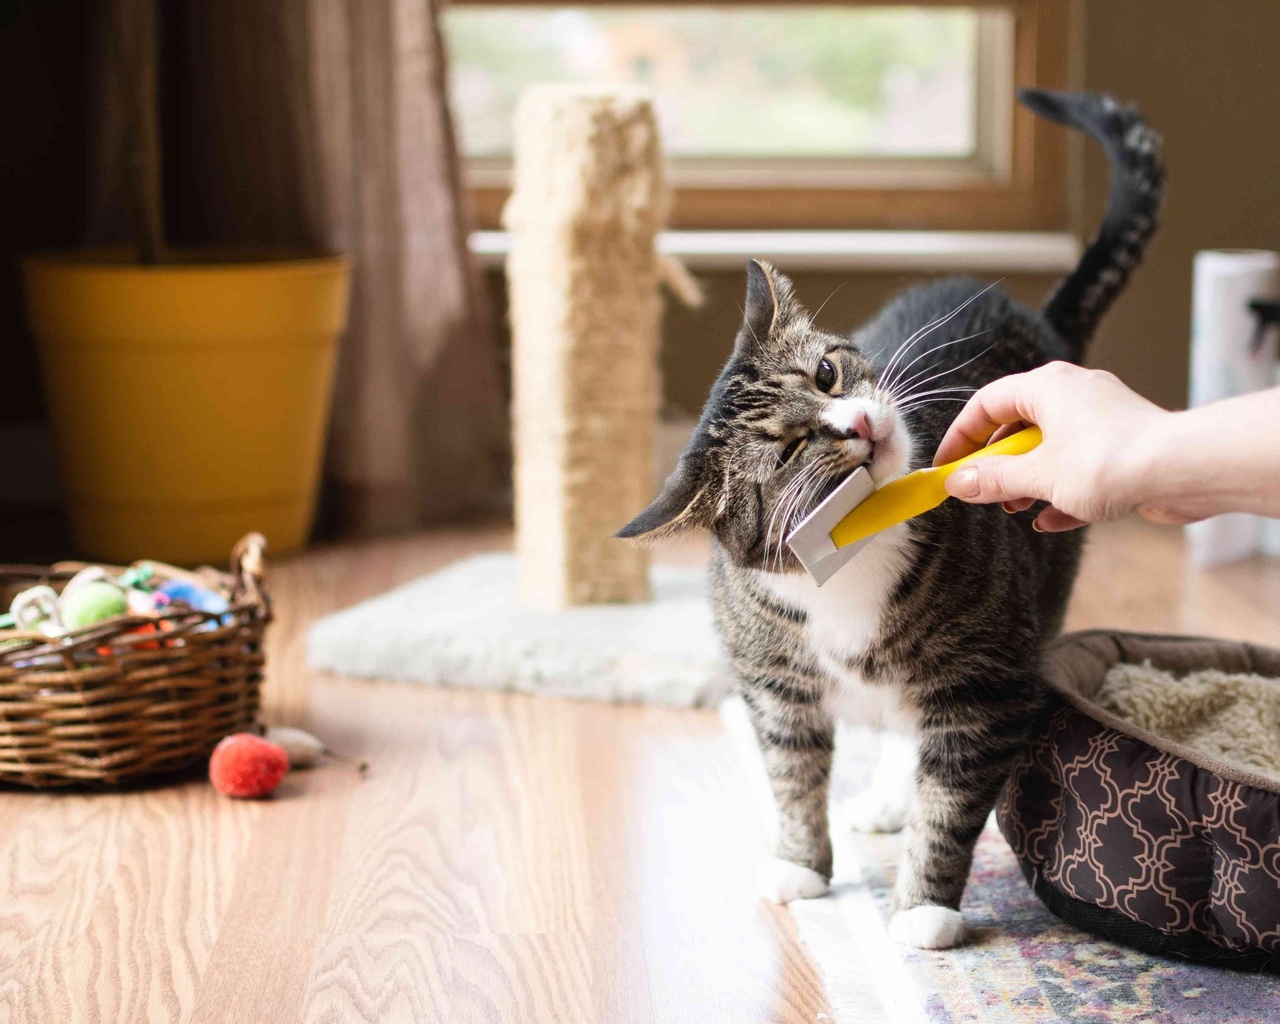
917, 492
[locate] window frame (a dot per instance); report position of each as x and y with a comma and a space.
1015, 182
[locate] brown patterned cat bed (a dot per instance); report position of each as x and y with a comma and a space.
1157, 826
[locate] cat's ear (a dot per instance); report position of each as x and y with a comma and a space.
769, 301
686, 502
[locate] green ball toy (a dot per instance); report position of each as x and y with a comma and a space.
92, 602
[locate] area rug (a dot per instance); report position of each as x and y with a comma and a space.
463, 627
1021, 964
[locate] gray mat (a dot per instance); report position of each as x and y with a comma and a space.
463, 627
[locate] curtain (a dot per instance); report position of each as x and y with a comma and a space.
325, 123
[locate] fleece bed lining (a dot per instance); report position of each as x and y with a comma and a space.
1077, 666
1231, 717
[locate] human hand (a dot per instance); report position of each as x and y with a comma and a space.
1090, 465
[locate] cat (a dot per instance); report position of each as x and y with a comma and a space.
934, 632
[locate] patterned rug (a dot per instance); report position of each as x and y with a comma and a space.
1021, 964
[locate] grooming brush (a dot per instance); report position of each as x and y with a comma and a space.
834, 532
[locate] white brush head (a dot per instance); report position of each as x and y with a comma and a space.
811, 541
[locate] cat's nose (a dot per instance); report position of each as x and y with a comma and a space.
857, 427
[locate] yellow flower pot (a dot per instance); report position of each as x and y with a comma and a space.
189, 400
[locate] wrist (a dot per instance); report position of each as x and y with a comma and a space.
1186, 469
1149, 460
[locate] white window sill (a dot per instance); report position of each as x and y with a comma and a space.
1013, 252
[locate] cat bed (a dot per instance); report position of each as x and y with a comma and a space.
1147, 808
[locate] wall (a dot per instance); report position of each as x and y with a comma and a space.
1205, 73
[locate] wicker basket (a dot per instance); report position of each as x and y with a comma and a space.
108, 705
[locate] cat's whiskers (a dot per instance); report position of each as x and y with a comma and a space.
798, 507
940, 387
811, 489
746, 320
899, 384
780, 516
960, 388
901, 349
773, 553
934, 401
926, 403
962, 394
942, 373
790, 519
774, 518
895, 380
813, 480
932, 325
814, 317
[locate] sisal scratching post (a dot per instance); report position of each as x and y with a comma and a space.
588, 200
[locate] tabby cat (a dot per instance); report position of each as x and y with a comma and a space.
934, 632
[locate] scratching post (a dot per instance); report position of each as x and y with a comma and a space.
588, 200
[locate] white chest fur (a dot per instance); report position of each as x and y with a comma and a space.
843, 621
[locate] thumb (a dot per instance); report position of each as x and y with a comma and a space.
996, 478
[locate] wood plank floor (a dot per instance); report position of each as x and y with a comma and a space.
506, 858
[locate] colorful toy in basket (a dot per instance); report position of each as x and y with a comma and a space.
94, 595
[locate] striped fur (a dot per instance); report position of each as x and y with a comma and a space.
936, 628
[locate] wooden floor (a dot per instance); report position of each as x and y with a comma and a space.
506, 859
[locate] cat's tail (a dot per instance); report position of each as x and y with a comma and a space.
1137, 182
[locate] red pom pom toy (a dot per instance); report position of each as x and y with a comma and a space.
245, 765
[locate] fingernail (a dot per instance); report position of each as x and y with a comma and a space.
963, 483
1035, 525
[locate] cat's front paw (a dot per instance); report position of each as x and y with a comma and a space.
878, 810
780, 881
928, 927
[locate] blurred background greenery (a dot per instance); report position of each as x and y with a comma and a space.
733, 82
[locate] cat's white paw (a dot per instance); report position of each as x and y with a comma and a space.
878, 810
928, 927
780, 881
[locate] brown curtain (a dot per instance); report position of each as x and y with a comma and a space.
325, 123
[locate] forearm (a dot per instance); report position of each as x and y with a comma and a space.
1222, 457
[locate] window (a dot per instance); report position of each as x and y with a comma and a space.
735, 84
791, 115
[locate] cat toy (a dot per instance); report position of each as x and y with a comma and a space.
94, 595
248, 766
834, 532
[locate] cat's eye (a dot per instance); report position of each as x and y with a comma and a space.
825, 377
792, 450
